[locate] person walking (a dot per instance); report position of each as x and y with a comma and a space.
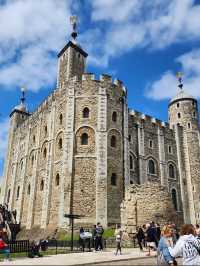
163, 255
140, 237
150, 238
118, 237
82, 239
94, 233
187, 246
99, 234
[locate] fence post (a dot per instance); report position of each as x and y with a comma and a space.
56, 246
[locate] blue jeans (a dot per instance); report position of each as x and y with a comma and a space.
5, 252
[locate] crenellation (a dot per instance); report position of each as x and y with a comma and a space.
85, 152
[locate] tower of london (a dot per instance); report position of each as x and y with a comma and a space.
83, 151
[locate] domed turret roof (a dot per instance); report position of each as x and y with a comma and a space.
21, 107
182, 94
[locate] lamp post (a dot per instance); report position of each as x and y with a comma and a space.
72, 217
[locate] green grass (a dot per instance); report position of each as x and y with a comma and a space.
62, 235
108, 233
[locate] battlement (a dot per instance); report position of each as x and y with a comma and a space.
140, 117
104, 78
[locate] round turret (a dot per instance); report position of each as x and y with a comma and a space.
183, 111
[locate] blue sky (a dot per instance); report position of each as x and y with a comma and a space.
143, 43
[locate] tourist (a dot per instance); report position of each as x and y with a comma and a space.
150, 238
145, 236
82, 239
188, 246
99, 234
163, 255
118, 236
94, 236
4, 249
198, 230
140, 237
158, 231
35, 249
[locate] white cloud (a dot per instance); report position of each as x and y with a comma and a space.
31, 33
166, 86
126, 25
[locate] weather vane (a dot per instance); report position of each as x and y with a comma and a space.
73, 21
179, 76
23, 90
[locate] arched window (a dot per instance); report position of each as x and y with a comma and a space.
174, 199
29, 190
34, 139
131, 162
114, 116
18, 190
42, 185
172, 171
113, 179
57, 180
113, 142
84, 139
60, 143
61, 119
21, 165
8, 196
151, 167
32, 160
131, 182
45, 153
179, 115
86, 112
45, 130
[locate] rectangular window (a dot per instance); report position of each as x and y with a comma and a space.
150, 144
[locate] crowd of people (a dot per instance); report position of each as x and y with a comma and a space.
170, 243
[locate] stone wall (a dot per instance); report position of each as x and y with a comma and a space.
145, 203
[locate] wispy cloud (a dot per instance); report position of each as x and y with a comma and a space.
126, 25
166, 86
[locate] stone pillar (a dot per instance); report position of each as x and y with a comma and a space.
161, 145
182, 173
68, 153
142, 162
101, 140
22, 183
34, 178
16, 165
189, 181
49, 174
126, 148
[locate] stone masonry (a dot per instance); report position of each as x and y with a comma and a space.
83, 151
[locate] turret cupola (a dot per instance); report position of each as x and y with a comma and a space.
183, 109
72, 58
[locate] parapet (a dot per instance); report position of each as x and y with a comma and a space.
140, 117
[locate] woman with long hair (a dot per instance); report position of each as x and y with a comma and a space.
163, 255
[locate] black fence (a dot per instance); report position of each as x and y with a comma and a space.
19, 246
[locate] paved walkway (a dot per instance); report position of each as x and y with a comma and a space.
79, 258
